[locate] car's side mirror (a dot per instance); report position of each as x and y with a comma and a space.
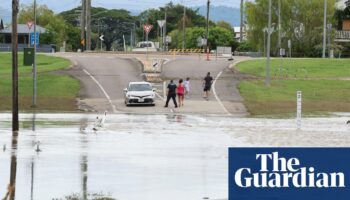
125, 90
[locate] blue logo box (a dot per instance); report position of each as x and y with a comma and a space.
289, 173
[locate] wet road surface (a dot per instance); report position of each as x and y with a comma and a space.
149, 157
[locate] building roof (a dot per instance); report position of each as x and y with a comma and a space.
23, 29
237, 29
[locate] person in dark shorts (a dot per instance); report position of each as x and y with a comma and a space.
171, 94
207, 83
180, 92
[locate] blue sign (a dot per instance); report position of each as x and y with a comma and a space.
289, 173
32, 38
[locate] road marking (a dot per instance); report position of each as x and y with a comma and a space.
103, 90
216, 96
166, 60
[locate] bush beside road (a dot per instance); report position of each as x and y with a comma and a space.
55, 91
325, 88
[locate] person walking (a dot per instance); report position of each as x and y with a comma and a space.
207, 83
187, 87
171, 93
180, 92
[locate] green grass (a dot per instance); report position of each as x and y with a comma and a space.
54, 92
322, 93
298, 68
44, 64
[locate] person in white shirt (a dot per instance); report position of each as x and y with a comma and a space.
187, 87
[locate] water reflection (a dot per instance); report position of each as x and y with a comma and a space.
11, 189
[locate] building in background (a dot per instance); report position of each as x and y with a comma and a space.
23, 38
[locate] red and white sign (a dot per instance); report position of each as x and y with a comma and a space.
30, 24
147, 28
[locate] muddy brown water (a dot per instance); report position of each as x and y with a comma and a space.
147, 157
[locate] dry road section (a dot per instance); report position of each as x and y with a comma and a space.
104, 76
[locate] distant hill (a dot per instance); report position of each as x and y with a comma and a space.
5, 15
217, 13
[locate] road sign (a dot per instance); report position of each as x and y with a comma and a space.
155, 63
161, 23
282, 52
168, 39
147, 28
32, 41
101, 38
30, 24
289, 44
299, 98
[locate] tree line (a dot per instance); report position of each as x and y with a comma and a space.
116, 24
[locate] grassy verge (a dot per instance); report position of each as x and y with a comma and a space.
298, 68
321, 94
54, 92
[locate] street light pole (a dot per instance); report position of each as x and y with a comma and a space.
184, 28
269, 31
329, 27
34, 60
279, 25
15, 125
324, 29
207, 31
241, 25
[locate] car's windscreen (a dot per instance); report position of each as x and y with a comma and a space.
145, 45
140, 87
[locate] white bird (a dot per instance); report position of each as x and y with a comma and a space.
99, 122
37, 146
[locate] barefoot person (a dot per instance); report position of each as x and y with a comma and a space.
187, 87
207, 83
171, 94
180, 93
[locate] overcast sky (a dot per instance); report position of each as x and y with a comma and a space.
61, 5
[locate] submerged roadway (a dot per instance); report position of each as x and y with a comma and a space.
104, 76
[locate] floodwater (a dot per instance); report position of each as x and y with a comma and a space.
148, 157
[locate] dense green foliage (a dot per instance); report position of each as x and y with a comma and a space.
301, 21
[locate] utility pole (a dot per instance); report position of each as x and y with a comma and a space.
184, 28
88, 25
241, 26
279, 26
207, 31
165, 42
269, 31
324, 29
15, 125
34, 59
83, 24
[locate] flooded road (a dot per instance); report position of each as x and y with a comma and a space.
148, 157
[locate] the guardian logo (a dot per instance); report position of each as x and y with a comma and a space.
280, 172
289, 173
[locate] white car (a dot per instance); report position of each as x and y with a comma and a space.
145, 46
139, 93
